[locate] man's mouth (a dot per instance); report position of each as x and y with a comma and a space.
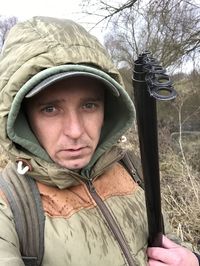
71, 152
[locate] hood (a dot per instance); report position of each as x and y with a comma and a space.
35, 50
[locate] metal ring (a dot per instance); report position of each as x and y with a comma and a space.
157, 92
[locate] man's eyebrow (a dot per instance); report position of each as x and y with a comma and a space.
58, 101
96, 99
50, 102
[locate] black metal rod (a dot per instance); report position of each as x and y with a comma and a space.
146, 114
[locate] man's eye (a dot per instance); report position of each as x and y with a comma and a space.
49, 109
89, 106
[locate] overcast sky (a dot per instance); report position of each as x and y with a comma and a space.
70, 9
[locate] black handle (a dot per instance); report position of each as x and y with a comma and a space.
150, 83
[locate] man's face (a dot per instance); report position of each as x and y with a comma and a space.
67, 118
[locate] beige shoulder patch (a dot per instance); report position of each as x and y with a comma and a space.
115, 182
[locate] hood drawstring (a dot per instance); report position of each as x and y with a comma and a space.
22, 170
122, 139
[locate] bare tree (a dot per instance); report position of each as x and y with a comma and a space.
173, 29
104, 10
6, 23
170, 29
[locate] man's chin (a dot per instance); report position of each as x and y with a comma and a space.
75, 164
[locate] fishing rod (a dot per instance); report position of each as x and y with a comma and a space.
150, 83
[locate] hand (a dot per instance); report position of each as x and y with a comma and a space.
171, 254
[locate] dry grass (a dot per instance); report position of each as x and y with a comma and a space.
181, 194
180, 171
180, 185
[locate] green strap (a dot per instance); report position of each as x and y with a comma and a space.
40, 217
25, 202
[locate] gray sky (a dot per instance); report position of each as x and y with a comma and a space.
70, 9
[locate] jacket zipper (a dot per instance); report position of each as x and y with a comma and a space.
111, 222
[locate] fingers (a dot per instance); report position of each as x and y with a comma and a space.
159, 254
171, 254
167, 243
165, 255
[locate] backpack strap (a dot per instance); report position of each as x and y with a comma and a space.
133, 166
24, 199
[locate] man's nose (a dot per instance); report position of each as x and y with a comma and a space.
73, 125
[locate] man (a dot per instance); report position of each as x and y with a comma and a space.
62, 110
